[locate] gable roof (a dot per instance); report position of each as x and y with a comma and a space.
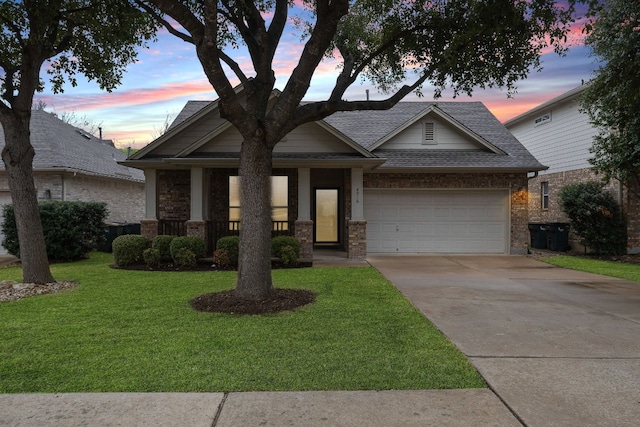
367, 131
372, 128
61, 147
573, 93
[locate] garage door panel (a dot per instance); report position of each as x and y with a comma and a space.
436, 221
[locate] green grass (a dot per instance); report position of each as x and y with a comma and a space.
608, 268
135, 331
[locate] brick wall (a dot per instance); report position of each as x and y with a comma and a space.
124, 199
554, 212
174, 194
515, 182
357, 240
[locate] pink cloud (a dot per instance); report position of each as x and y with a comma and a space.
129, 98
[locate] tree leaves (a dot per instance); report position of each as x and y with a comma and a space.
612, 99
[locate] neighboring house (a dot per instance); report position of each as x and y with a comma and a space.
71, 165
560, 135
423, 177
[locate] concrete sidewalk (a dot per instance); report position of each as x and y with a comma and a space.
557, 347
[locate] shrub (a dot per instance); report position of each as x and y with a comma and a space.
184, 258
152, 257
286, 248
221, 259
163, 244
71, 229
194, 244
231, 244
129, 249
595, 216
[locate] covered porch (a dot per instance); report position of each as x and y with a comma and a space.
321, 206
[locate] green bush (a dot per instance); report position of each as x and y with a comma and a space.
194, 244
231, 244
71, 229
184, 258
287, 248
152, 257
129, 249
163, 244
595, 216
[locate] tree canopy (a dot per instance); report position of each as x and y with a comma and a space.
612, 99
96, 39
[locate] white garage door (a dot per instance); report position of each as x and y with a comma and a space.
414, 221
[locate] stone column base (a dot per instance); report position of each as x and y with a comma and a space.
357, 240
149, 228
197, 228
304, 235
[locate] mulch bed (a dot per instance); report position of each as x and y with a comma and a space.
227, 302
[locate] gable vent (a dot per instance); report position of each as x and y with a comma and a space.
429, 133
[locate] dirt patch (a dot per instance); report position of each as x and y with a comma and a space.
12, 291
227, 302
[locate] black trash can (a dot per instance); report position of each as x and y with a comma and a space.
538, 235
111, 231
558, 236
132, 228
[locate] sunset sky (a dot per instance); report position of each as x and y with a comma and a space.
168, 74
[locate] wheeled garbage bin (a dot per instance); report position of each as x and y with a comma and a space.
538, 235
558, 236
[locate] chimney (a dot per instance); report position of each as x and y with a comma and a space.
100, 130
367, 94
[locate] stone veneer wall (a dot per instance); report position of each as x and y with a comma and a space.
515, 182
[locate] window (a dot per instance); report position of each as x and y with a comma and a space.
545, 118
544, 194
279, 200
429, 133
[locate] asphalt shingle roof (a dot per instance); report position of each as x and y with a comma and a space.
60, 145
368, 127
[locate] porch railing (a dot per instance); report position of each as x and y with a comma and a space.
217, 229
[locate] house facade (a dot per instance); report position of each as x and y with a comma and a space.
423, 177
560, 135
71, 165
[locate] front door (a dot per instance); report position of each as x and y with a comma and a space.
326, 216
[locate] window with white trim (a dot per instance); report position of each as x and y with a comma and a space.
544, 195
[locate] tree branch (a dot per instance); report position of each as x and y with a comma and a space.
233, 65
166, 24
320, 110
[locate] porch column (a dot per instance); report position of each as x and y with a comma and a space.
196, 226
357, 227
149, 224
304, 225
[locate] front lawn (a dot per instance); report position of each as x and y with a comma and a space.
617, 269
135, 331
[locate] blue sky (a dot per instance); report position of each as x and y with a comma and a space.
168, 74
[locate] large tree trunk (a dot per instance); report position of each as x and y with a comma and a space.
254, 263
18, 159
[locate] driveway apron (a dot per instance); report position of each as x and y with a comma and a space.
559, 347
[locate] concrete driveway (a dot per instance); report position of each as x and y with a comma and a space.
559, 347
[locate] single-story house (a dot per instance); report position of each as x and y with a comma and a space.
560, 135
423, 177
72, 165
